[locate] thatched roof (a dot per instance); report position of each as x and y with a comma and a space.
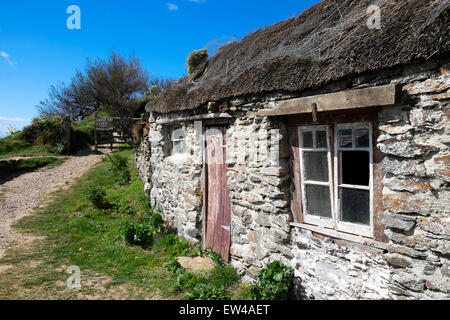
327, 42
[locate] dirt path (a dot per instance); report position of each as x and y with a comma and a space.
20, 196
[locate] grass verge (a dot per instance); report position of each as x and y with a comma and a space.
72, 231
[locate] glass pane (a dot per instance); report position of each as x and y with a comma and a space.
345, 138
362, 138
355, 206
318, 201
308, 140
316, 166
321, 139
178, 134
179, 147
355, 168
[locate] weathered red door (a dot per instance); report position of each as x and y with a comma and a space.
218, 204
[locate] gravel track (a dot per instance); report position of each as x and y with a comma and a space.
22, 195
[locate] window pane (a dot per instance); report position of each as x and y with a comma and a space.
308, 140
345, 138
178, 134
321, 139
318, 201
355, 167
355, 206
362, 138
316, 166
179, 147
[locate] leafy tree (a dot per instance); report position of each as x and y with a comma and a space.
110, 84
118, 85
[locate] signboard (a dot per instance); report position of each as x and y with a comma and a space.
104, 124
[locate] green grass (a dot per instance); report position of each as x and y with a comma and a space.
72, 231
14, 146
30, 164
82, 137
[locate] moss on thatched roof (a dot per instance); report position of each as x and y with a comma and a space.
327, 42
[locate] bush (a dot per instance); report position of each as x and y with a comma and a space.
119, 166
95, 195
195, 59
123, 206
204, 291
172, 265
273, 282
154, 220
136, 233
180, 248
223, 275
143, 231
43, 131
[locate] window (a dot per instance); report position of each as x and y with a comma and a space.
178, 141
336, 177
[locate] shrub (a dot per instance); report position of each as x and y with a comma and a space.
273, 282
204, 291
223, 275
119, 166
143, 231
136, 233
154, 220
58, 149
124, 206
95, 195
43, 131
180, 248
195, 59
172, 265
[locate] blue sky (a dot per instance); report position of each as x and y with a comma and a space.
37, 49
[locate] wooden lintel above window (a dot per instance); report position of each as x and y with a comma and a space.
351, 99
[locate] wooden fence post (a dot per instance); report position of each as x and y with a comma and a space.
95, 130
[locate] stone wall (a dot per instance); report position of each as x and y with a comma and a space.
175, 182
416, 192
258, 179
326, 270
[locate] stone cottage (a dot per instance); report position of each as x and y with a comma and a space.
323, 141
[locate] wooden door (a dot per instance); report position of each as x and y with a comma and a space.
218, 204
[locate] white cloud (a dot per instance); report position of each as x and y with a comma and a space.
172, 7
5, 56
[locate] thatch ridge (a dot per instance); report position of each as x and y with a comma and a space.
327, 42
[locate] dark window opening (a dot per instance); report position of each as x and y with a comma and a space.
356, 168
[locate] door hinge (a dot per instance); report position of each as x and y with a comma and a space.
228, 228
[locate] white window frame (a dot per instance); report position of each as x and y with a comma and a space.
348, 227
309, 218
334, 173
